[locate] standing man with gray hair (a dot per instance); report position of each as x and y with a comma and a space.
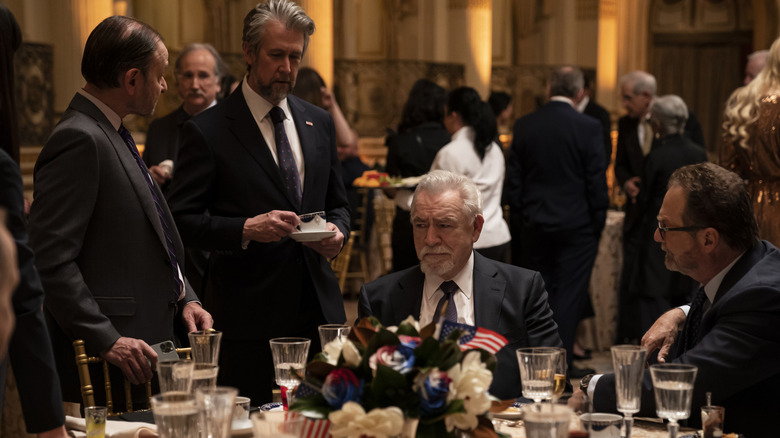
556, 189
447, 220
247, 168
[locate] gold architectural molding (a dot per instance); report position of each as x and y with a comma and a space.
470, 4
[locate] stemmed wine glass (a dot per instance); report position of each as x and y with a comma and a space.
673, 387
628, 362
537, 371
289, 356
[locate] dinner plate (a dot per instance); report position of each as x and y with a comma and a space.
275, 406
514, 412
241, 428
311, 236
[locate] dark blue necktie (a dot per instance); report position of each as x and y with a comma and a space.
693, 321
287, 166
449, 288
166, 230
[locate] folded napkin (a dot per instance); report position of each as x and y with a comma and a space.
114, 429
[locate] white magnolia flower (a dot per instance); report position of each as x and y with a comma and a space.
352, 421
333, 349
470, 382
351, 354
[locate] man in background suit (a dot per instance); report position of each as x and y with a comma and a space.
707, 229
105, 243
30, 349
247, 168
556, 189
589, 107
447, 220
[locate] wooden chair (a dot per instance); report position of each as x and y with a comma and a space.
340, 264
384, 213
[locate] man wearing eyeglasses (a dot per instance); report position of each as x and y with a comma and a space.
707, 229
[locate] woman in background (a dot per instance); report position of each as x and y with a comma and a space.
410, 152
752, 143
474, 153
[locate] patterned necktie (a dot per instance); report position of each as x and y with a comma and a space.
166, 230
287, 166
449, 288
693, 321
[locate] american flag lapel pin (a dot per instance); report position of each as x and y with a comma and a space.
309, 123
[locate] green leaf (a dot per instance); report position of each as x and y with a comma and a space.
313, 403
407, 330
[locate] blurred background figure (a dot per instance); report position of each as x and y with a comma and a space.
501, 105
588, 106
473, 152
9, 278
655, 288
755, 63
10, 40
752, 144
410, 152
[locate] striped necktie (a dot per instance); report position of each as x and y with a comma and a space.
178, 286
449, 288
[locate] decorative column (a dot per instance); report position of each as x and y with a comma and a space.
319, 54
471, 28
607, 57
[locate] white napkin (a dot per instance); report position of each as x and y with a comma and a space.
114, 429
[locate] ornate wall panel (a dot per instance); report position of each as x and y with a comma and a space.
34, 93
372, 93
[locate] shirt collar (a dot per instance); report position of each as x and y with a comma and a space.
562, 99
464, 279
583, 103
466, 132
259, 106
110, 114
711, 288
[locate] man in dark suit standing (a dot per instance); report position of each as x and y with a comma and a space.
447, 220
707, 229
105, 242
556, 189
247, 168
589, 107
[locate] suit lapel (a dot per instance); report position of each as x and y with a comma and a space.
241, 122
748, 260
488, 294
409, 296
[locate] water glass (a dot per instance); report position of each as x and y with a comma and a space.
712, 420
176, 415
215, 409
204, 375
537, 371
628, 363
289, 355
330, 332
95, 417
673, 387
276, 425
205, 346
547, 420
175, 375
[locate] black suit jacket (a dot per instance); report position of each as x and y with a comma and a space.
30, 349
162, 139
411, 153
555, 174
508, 299
738, 350
599, 113
226, 174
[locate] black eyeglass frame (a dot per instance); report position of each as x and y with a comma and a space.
662, 230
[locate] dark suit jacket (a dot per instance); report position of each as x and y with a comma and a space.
98, 241
555, 174
738, 351
602, 115
507, 299
225, 168
411, 153
162, 139
30, 348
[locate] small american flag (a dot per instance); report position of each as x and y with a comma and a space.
473, 337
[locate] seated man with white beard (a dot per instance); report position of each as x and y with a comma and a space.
447, 219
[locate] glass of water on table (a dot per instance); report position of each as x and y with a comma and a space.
673, 387
289, 355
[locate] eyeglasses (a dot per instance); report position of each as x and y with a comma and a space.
662, 229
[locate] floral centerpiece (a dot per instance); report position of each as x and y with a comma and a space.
383, 378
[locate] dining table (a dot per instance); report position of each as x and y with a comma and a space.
643, 428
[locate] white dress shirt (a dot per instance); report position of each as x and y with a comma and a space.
464, 297
259, 107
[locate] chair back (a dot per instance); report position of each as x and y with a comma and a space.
340, 264
384, 213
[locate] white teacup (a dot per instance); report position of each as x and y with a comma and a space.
313, 222
241, 411
602, 425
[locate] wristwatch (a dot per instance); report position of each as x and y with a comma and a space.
584, 382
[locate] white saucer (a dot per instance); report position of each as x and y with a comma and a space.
514, 412
311, 236
275, 406
241, 428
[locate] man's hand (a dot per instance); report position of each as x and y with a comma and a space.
578, 401
663, 333
196, 317
631, 187
331, 246
131, 356
270, 227
160, 175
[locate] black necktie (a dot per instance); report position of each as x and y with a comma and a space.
166, 230
287, 166
693, 321
449, 288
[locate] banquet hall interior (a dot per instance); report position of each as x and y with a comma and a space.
371, 52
